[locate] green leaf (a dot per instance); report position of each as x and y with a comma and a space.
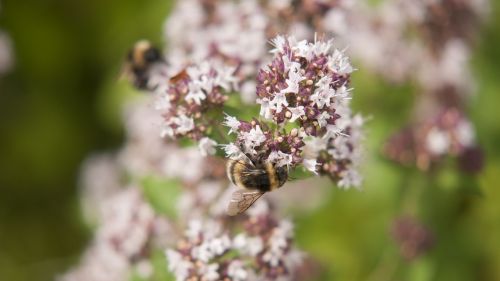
160, 267
300, 174
186, 142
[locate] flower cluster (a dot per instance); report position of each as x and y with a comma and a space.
127, 227
339, 157
304, 83
127, 222
383, 28
99, 180
441, 127
413, 238
263, 251
450, 133
201, 30
190, 95
427, 42
304, 97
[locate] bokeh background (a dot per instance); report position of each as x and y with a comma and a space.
62, 101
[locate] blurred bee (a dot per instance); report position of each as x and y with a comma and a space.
140, 59
253, 181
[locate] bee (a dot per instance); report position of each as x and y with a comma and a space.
140, 60
253, 181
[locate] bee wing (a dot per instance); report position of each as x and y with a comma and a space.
241, 200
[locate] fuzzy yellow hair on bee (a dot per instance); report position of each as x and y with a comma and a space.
253, 181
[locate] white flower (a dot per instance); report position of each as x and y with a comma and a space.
265, 108
125, 221
323, 94
240, 241
313, 146
465, 133
202, 252
232, 123
219, 245
196, 93
332, 131
280, 159
278, 102
194, 230
294, 78
198, 71
207, 83
350, 178
286, 228
166, 131
177, 265
340, 63
302, 48
254, 245
341, 149
297, 112
209, 272
273, 256
185, 124
279, 44
232, 151
236, 271
321, 47
251, 246
324, 83
437, 141
253, 138
310, 164
278, 243
212, 229
323, 118
225, 78
287, 62
343, 93
207, 146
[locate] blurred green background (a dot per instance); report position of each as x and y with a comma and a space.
61, 102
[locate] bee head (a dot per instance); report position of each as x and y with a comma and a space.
282, 173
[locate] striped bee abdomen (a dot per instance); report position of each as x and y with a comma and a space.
230, 167
257, 179
263, 178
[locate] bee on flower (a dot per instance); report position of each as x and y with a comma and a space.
304, 98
